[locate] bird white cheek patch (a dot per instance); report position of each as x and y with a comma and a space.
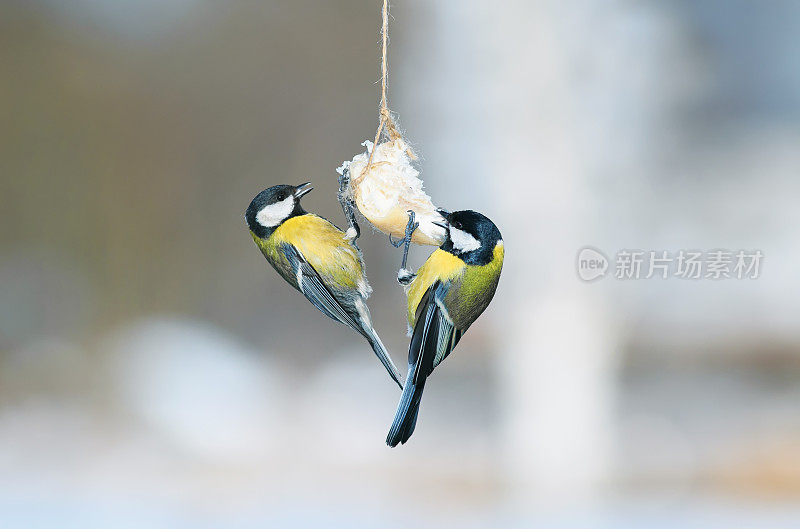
463, 241
272, 215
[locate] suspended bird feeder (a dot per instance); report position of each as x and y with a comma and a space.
382, 181
387, 188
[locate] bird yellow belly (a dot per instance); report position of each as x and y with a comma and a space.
323, 245
440, 266
444, 266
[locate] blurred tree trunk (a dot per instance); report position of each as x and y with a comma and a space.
498, 87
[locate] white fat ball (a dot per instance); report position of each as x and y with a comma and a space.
389, 189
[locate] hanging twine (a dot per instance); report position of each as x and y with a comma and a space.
386, 123
386, 186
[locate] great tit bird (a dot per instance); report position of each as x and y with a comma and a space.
448, 293
314, 256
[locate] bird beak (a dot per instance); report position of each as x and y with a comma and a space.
302, 189
444, 213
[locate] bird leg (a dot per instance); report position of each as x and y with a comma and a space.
404, 275
348, 206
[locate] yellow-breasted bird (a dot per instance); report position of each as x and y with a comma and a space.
314, 256
448, 293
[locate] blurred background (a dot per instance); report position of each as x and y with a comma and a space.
155, 372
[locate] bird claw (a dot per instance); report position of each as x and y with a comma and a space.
411, 226
405, 276
348, 207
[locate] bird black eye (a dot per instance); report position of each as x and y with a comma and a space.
456, 225
281, 196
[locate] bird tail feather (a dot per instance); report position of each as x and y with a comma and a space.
405, 420
383, 355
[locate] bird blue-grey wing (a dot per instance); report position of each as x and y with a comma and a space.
314, 289
345, 306
433, 339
